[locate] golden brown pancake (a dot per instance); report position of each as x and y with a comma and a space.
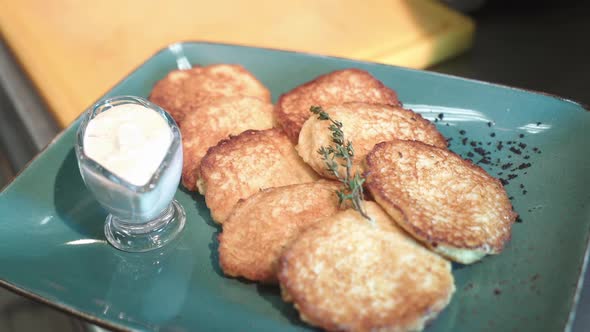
216, 120
261, 226
334, 88
183, 91
242, 165
448, 203
364, 125
346, 274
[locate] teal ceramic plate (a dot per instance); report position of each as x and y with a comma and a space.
52, 246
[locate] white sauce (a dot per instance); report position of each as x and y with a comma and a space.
129, 140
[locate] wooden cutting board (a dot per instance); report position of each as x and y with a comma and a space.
74, 51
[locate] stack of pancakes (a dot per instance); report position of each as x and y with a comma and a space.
257, 166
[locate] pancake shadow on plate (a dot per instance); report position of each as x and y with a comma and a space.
203, 211
272, 294
74, 203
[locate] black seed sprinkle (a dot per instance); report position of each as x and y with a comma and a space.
521, 186
503, 181
522, 145
480, 151
462, 132
506, 166
499, 146
464, 141
524, 192
493, 134
511, 197
435, 119
447, 124
515, 150
497, 291
441, 116
526, 157
489, 124
470, 154
524, 165
512, 176
521, 135
484, 161
518, 219
478, 143
473, 143
538, 124
509, 142
489, 143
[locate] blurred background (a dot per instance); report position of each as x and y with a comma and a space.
59, 56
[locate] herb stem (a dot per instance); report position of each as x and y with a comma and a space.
353, 185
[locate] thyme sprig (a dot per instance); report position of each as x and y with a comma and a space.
342, 154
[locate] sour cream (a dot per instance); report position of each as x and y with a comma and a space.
129, 140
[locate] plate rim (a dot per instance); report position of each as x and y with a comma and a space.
106, 324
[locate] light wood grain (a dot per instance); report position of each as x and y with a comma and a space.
76, 50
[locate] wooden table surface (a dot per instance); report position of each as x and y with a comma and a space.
74, 51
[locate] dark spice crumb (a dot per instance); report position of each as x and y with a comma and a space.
470, 154
538, 123
521, 135
526, 173
515, 150
500, 173
535, 149
489, 143
462, 132
522, 145
512, 176
499, 146
478, 143
526, 157
441, 116
521, 186
480, 151
464, 141
447, 124
473, 143
503, 181
489, 124
509, 156
524, 192
506, 166
524, 165
511, 197
484, 160
497, 291
518, 219
493, 134
435, 120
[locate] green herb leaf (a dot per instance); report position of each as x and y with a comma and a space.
352, 192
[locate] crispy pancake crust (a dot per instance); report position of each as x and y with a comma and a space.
215, 121
365, 125
337, 87
345, 274
451, 205
242, 165
260, 227
183, 91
